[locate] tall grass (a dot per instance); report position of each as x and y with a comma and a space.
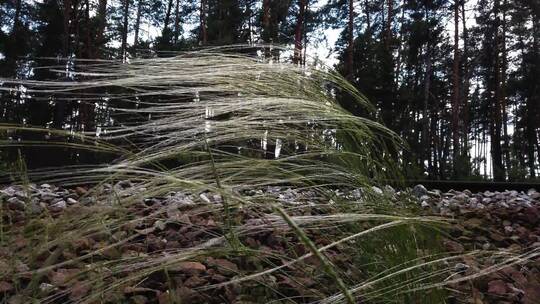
230, 127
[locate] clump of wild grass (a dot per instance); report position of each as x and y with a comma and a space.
228, 125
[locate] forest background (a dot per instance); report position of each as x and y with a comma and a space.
457, 80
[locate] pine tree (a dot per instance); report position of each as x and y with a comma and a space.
350, 36
225, 21
299, 31
140, 7
125, 28
202, 26
101, 17
456, 93
177, 22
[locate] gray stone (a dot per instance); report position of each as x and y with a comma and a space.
151, 201
46, 287
500, 197
481, 238
48, 196
21, 194
62, 192
453, 204
445, 203
160, 225
461, 267
35, 208
512, 193
55, 200
388, 189
419, 190
71, 201
72, 195
435, 193
60, 205
7, 192
521, 202
88, 200
377, 190
179, 201
525, 204
15, 204
503, 205
461, 198
447, 212
217, 198
356, 194
448, 194
124, 184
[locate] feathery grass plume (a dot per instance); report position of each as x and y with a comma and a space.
213, 142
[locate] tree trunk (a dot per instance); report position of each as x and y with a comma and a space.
102, 21
86, 108
496, 149
266, 21
203, 33
250, 23
177, 22
298, 32
137, 23
447, 143
434, 145
89, 45
16, 19
123, 48
67, 27
305, 35
388, 35
77, 32
168, 15
350, 48
426, 138
504, 67
400, 46
266, 33
455, 97
368, 16
466, 83
533, 100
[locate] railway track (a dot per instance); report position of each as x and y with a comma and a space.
474, 186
